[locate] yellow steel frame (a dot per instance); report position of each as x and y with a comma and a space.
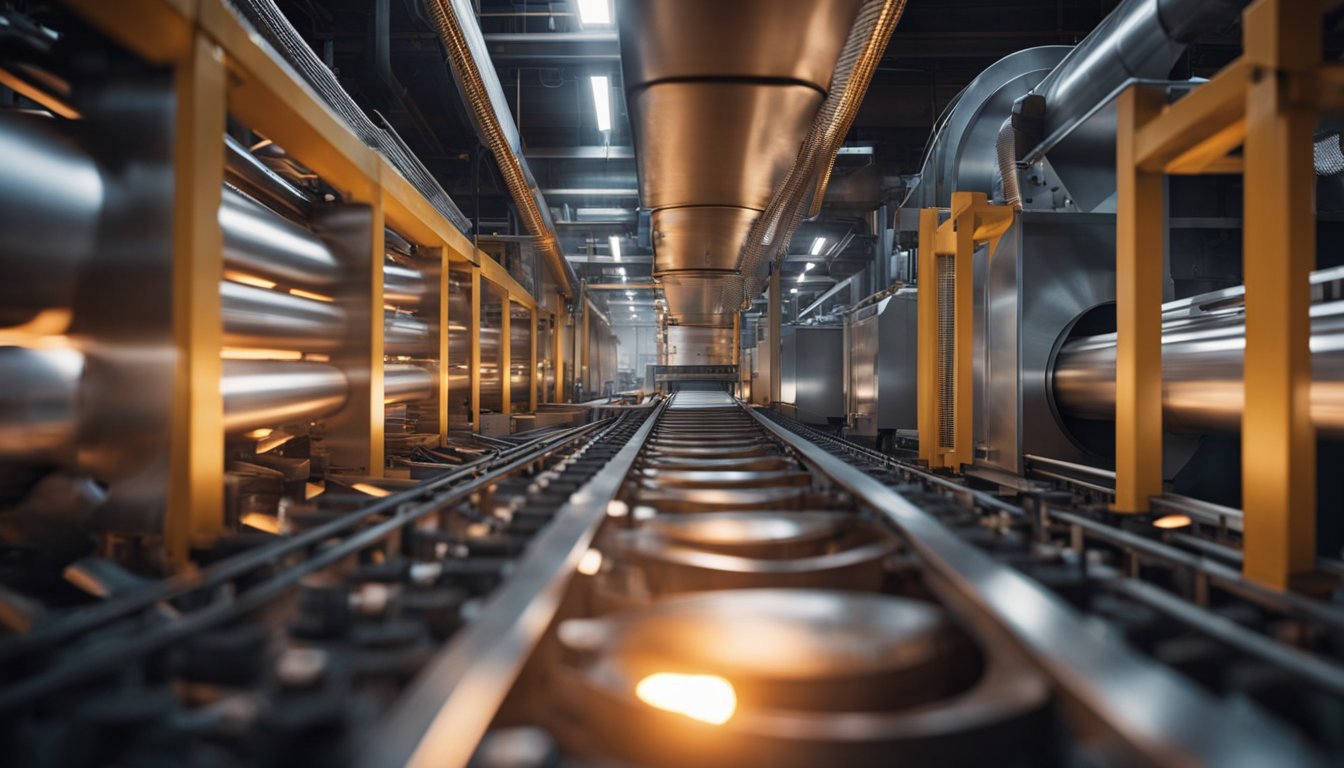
972, 220
221, 66
1267, 102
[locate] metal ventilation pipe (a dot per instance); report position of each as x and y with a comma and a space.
461, 36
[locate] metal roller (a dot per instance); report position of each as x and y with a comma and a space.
258, 317
404, 335
1202, 388
265, 393
261, 243
53, 193
403, 287
406, 383
38, 389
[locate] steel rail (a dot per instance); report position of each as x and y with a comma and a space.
447, 710
1156, 716
84, 620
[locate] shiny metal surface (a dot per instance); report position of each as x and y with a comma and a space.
695, 300
1049, 268
261, 243
403, 383
785, 39
733, 531
813, 369
268, 393
521, 374
880, 348
1202, 388
404, 287
259, 317
689, 345
734, 158
447, 710
403, 334
700, 239
761, 69
38, 392
1149, 711
53, 196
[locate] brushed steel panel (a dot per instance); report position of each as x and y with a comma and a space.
786, 39
699, 238
695, 300
718, 143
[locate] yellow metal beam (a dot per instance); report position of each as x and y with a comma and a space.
558, 340
1278, 440
1140, 226
195, 510
505, 351
158, 31
926, 380
1200, 129
408, 212
445, 364
474, 328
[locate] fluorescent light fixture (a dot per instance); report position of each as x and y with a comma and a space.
602, 101
855, 151
590, 214
793, 290
810, 266
615, 241
817, 245
621, 271
801, 275
629, 293
594, 12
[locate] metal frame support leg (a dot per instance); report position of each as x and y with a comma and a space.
474, 328
1282, 40
1139, 242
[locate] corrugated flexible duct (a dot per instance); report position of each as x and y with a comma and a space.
523, 191
771, 233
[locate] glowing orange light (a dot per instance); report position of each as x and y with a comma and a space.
371, 490
707, 698
258, 434
248, 353
591, 562
1172, 521
267, 523
312, 490
246, 279
309, 295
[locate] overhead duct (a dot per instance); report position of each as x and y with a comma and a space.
762, 69
469, 59
770, 235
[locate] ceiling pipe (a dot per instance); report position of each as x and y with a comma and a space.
470, 61
772, 231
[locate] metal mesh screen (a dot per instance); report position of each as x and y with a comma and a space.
276, 30
945, 266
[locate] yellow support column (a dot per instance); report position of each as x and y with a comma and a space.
195, 514
505, 353
534, 377
558, 340
926, 381
474, 328
1140, 222
445, 364
1282, 38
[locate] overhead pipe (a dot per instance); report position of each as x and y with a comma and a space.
470, 62
1203, 388
772, 231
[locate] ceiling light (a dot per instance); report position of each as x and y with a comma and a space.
794, 290
594, 12
615, 241
621, 271
801, 275
629, 294
602, 101
809, 266
817, 245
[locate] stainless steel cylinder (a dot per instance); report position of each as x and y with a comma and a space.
1202, 388
51, 198
406, 383
257, 317
262, 243
38, 392
267, 393
404, 335
403, 287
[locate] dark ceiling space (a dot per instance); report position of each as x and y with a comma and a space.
544, 59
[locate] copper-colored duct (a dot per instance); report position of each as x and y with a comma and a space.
492, 132
854, 71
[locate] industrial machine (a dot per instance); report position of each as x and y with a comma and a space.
299, 463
